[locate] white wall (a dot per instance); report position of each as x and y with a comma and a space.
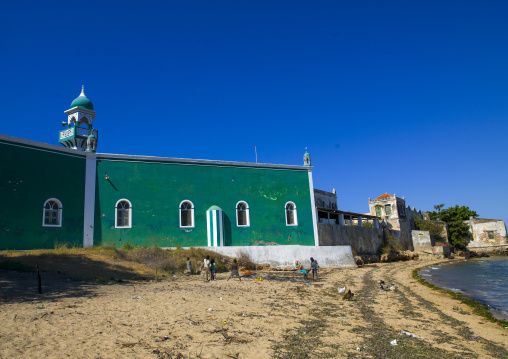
283, 256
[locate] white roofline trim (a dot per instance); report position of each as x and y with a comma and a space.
140, 158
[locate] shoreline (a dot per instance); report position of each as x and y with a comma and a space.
481, 308
281, 316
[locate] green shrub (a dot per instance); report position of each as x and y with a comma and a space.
391, 244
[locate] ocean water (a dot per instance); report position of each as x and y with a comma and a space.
482, 279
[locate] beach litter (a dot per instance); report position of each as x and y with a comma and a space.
473, 337
210, 309
163, 339
394, 342
137, 297
409, 334
342, 290
258, 279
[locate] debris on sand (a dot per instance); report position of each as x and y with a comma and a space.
348, 295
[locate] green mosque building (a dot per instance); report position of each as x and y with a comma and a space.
74, 195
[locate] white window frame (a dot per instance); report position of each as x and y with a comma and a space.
191, 212
286, 214
247, 212
59, 214
130, 213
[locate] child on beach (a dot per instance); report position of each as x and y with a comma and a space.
234, 270
314, 268
206, 267
304, 272
212, 268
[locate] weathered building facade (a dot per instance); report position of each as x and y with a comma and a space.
487, 233
398, 217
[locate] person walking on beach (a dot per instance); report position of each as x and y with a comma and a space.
189, 266
314, 268
212, 268
206, 267
234, 270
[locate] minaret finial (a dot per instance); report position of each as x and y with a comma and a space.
82, 90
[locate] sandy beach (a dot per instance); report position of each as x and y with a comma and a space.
282, 316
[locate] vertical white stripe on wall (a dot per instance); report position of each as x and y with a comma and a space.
208, 233
220, 229
88, 223
214, 224
314, 214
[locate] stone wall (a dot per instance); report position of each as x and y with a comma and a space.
424, 242
421, 239
361, 239
403, 236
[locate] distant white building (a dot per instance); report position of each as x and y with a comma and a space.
487, 232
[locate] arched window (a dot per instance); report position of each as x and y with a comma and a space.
242, 214
52, 213
186, 214
291, 218
123, 214
388, 209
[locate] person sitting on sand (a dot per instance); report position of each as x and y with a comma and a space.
206, 268
234, 271
314, 268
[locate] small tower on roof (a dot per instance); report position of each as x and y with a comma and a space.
306, 158
79, 133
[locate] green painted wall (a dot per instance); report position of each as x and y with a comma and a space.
29, 175
156, 190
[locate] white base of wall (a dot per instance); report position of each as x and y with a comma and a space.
283, 256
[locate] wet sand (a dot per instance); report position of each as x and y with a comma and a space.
282, 316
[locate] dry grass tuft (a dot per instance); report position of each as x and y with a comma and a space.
245, 260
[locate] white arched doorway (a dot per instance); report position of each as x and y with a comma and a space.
215, 226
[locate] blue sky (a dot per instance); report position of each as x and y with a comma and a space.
394, 96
